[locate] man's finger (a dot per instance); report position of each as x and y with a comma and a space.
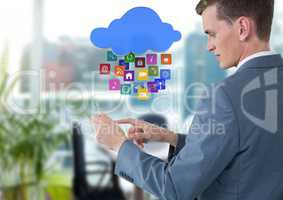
138, 136
134, 122
126, 121
134, 129
133, 135
139, 143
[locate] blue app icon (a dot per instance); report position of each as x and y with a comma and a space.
160, 83
165, 74
123, 63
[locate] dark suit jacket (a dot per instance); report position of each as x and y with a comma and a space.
233, 148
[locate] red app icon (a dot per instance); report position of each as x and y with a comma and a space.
104, 68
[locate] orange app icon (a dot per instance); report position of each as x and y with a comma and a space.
166, 59
119, 70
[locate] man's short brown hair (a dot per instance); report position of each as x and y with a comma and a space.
261, 11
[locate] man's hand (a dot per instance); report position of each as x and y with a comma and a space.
142, 132
108, 132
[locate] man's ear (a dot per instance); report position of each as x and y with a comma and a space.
244, 27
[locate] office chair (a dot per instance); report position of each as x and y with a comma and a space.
81, 188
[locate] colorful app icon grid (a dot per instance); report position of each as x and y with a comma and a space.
138, 76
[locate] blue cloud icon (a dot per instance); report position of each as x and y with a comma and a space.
138, 31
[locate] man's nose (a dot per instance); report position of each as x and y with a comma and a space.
210, 46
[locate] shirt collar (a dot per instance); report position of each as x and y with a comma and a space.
255, 55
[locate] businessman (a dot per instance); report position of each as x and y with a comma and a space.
239, 158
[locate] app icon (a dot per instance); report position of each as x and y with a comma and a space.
152, 87
165, 74
160, 84
104, 68
151, 59
111, 56
166, 59
153, 71
137, 85
123, 63
126, 89
119, 70
140, 62
142, 94
130, 58
114, 84
142, 74
129, 75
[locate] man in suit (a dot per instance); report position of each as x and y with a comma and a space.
232, 150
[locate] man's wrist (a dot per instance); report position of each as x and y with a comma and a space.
172, 138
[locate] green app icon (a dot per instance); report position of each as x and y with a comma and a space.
130, 58
126, 89
153, 71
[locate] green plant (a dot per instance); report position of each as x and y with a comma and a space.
26, 142
4, 58
30, 140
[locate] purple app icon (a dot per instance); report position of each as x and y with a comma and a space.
151, 59
129, 75
152, 87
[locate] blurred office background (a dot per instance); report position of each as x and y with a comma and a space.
49, 79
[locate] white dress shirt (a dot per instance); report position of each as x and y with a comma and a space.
255, 55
